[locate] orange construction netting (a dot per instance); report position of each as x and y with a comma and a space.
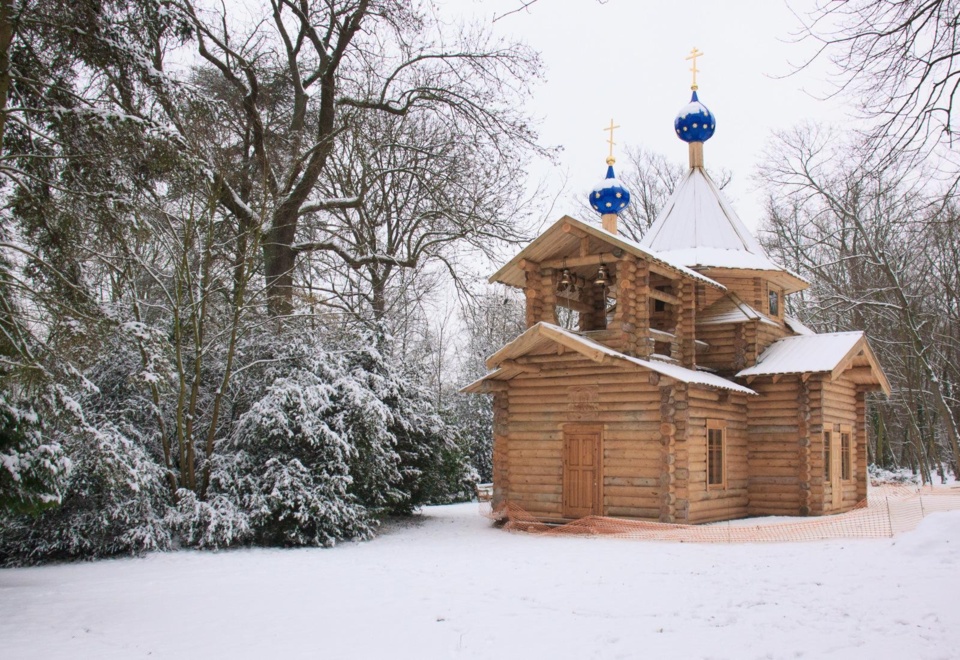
887, 511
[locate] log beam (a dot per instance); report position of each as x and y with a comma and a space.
663, 296
577, 262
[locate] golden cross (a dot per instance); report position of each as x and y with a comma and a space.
694, 54
610, 128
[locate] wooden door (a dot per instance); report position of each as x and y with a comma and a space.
582, 493
836, 471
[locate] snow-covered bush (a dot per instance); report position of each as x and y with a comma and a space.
215, 522
112, 504
32, 466
473, 416
323, 436
286, 464
431, 466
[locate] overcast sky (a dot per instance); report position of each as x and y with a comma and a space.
624, 59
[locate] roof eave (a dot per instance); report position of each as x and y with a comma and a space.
509, 272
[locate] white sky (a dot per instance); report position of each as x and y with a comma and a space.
639, 48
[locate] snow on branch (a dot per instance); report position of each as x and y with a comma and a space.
331, 204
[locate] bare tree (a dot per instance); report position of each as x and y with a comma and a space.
898, 60
295, 70
864, 231
429, 192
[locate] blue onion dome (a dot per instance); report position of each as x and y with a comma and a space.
694, 122
609, 196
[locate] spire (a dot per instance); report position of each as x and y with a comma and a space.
609, 197
695, 123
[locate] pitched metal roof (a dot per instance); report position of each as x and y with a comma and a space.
700, 229
826, 353
730, 309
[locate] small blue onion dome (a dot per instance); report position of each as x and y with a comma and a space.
694, 122
609, 196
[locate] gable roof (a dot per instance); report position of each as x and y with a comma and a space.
542, 335
731, 309
700, 229
562, 239
832, 353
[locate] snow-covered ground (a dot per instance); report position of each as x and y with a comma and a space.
450, 585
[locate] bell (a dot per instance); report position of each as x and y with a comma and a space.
603, 277
565, 278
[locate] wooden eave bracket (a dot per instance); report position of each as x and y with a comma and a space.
522, 367
485, 387
862, 349
528, 266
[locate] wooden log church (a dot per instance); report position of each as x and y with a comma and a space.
685, 393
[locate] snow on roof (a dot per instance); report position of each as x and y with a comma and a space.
730, 309
698, 216
556, 242
690, 376
714, 257
699, 228
549, 332
804, 354
794, 324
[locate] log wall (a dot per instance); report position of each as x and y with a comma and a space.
685, 333
631, 321
838, 402
766, 335
713, 503
725, 341
774, 447
625, 403
821, 491
501, 448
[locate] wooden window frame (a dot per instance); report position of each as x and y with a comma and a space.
846, 453
717, 425
773, 300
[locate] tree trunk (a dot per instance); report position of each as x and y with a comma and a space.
279, 259
6, 39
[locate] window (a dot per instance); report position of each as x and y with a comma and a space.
826, 455
846, 456
659, 305
716, 437
774, 304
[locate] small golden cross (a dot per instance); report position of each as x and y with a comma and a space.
694, 54
610, 129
